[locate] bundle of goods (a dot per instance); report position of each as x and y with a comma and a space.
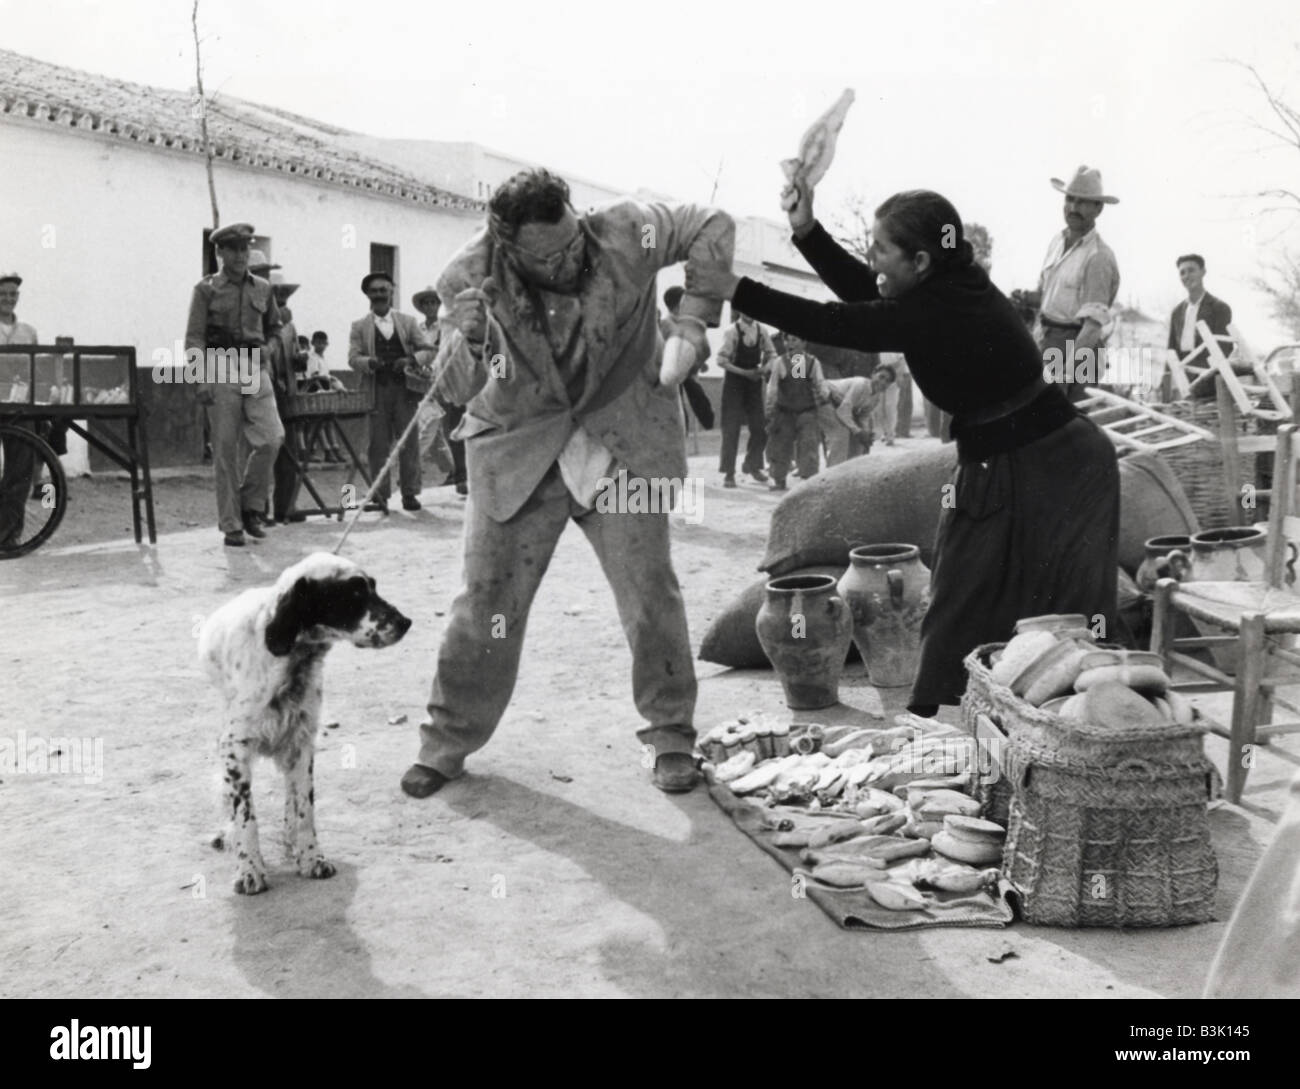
1104, 783
883, 811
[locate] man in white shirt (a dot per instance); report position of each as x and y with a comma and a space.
1078, 285
847, 422
1200, 305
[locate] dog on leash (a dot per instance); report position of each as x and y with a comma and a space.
265, 651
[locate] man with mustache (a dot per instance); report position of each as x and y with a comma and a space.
551, 341
1078, 285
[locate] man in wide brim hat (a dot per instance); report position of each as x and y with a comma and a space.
1077, 287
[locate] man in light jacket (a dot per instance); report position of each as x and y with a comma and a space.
551, 340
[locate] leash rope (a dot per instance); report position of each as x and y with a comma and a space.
396, 450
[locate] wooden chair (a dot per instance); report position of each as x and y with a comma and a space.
1262, 618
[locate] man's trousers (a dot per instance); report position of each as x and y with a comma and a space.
794, 433
504, 562
742, 406
395, 408
246, 436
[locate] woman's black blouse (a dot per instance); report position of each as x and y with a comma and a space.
966, 347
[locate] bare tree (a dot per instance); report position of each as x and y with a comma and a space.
201, 109
1282, 289
1281, 282
851, 226
982, 242
1283, 125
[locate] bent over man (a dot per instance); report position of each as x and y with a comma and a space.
562, 395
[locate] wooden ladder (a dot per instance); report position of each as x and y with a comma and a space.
1139, 427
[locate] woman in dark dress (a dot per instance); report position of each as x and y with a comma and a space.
1030, 520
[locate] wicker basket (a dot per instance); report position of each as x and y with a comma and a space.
1106, 827
331, 403
1199, 465
1125, 845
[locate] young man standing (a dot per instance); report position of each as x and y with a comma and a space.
795, 392
1200, 305
747, 355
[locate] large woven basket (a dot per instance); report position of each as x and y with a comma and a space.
1106, 827
1199, 465
330, 403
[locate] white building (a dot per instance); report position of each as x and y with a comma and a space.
107, 212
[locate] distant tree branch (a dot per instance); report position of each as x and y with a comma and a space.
203, 116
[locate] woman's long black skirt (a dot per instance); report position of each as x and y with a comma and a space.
1028, 532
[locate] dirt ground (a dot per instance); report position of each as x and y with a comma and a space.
552, 869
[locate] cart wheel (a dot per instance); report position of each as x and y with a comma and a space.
33, 491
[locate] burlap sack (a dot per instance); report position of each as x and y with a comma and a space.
867, 500
1151, 504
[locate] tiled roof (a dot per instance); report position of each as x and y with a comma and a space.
242, 133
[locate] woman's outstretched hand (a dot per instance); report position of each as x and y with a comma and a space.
797, 200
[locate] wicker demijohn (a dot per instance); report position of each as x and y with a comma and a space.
1106, 826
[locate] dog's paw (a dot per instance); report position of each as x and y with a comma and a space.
250, 882
316, 867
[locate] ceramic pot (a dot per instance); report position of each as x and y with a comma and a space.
1155, 564
805, 630
887, 590
1233, 554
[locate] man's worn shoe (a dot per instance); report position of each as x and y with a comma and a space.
777, 486
409, 502
234, 540
252, 524
729, 481
462, 488
675, 773
759, 475
420, 782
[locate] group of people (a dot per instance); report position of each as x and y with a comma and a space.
244, 307
567, 299
544, 338
795, 406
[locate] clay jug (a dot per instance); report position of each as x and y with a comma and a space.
805, 630
1233, 554
1155, 564
887, 589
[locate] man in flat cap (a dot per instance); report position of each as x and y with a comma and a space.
1078, 285
382, 345
19, 461
234, 312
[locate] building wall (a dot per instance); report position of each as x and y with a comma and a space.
108, 239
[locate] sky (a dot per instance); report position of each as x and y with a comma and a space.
982, 100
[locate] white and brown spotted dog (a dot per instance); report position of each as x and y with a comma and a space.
266, 651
